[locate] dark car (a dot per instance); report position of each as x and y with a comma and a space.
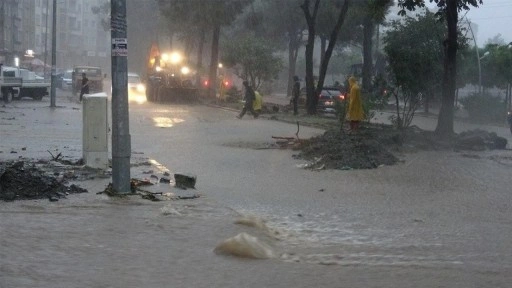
328, 98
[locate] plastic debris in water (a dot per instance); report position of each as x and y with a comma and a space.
245, 246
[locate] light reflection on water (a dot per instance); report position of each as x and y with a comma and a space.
166, 122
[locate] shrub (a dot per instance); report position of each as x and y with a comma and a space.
484, 107
233, 95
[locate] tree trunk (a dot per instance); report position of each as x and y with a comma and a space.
368, 30
323, 47
199, 65
444, 127
330, 48
310, 46
212, 83
426, 103
310, 83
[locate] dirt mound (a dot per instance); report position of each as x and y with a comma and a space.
19, 181
339, 150
376, 145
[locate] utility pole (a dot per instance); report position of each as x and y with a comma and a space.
121, 142
46, 37
54, 54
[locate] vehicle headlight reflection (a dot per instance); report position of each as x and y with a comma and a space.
166, 122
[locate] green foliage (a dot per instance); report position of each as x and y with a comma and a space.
485, 108
406, 104
496, 66
415, 53
368, 108
379, 96
341, 108
252, 59
411, 5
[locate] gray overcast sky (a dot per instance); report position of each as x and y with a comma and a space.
492, 17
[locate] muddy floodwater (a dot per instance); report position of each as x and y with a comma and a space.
435, 219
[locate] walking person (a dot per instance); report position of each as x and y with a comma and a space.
85, 86
295, 95
249, 99
355, 105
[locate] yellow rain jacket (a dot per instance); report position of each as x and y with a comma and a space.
355, 106
258, 101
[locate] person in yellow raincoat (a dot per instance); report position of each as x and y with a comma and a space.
355, 113
257, 103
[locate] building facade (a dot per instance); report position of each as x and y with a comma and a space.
26, 25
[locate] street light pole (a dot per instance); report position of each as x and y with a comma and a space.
121, 142
477, 58
54, 54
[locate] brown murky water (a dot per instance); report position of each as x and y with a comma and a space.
435, 220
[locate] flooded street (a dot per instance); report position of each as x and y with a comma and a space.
437, 219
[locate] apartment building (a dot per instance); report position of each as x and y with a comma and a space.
81, 39
11, 30
27, 25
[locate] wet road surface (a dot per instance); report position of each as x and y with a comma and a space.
438, 219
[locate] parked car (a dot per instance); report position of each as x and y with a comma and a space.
328, 98
67, 80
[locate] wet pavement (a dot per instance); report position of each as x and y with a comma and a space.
438, 219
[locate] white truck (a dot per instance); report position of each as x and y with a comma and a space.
16, 83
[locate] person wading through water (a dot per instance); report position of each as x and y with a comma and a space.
85, 86
249, 99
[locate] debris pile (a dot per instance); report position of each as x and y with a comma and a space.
479, 140
338, 150
377, 145
21, 181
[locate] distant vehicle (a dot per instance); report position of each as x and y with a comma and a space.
92, 73
328, 98
17, 83
67, 80
136, 89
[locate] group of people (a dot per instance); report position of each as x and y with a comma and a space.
355, 112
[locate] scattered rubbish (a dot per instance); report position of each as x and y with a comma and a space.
164, 180
188, 197
169, 210
24, 149
167, 173
137, 182
185, 180
150, 196
245, 246
252, 221
321, 190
